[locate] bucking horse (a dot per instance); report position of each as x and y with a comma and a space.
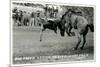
70, 20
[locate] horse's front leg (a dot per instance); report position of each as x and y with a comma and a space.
55, 30
67, 29
70, 28
67, 32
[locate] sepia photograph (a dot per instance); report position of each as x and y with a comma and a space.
51, 32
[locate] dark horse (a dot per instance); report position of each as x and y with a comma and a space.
48, 24
70, 20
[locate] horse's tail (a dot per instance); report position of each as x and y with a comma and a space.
91, 26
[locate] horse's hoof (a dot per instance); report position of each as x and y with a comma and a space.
69, 35
81, 48
40, 40
55, 32
72, 34
75, 48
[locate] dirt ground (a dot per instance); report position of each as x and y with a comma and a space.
26, 44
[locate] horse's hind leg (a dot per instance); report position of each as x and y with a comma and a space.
84, 41
79, 41
84, 37
41, 32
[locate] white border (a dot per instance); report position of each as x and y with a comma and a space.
54, 3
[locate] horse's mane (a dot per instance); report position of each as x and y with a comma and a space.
75, 12
72, 11
64, 15
69, 10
